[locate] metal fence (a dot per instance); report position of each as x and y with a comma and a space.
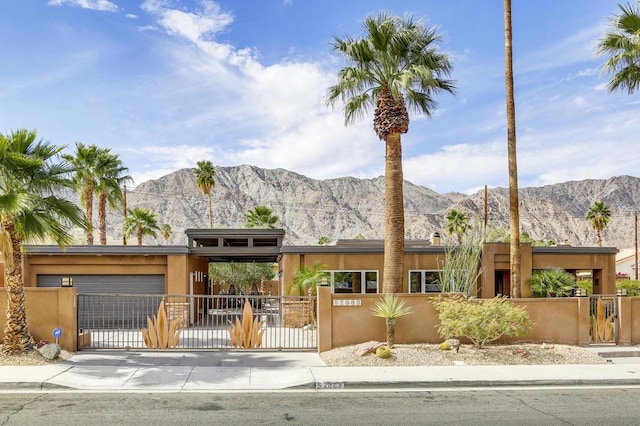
603, 318
114, 321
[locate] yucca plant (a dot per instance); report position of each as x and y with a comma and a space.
390, 307
160, 333
248, 333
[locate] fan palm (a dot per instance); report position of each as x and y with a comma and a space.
395, 66
30, 173
205, 181
110, 177
457, 223
86, 164
622, 45
141, 222
307, 278
599, 215
261, 217
166, 231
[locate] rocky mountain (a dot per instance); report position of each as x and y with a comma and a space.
345, 207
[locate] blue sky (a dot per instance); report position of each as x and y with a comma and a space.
166, 83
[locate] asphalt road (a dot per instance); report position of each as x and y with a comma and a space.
575, 406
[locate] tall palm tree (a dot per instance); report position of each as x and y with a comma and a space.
205, 181
166, 231
514, 212
622, 44
30, 172
599, 214
141, 222
261, 217
110, 177
395, 66
86, 163
457, 223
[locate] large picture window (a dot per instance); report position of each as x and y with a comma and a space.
424, 281
354, 281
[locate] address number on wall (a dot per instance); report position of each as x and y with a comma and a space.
347, 302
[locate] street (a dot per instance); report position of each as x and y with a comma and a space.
548, 406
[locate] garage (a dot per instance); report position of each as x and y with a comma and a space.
101, 301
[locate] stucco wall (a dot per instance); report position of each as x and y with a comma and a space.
48, 308
561, 320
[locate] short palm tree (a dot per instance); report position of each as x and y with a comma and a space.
205, 175
396, 66
622, 45
390, 307
141, 222
261, 217
457, 223
307, 278
599, 215
110, 177
86, 163
166, 231
30, 172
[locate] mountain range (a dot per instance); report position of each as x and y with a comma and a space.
346, 207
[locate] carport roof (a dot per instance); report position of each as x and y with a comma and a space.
236, 245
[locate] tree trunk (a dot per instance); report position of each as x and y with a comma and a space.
599, 238
16, 332
210, 211
391, 331
88, 209
102, 218
139, 235
514, 213
393, 216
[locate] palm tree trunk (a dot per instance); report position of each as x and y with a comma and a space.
16, 332
88, 209
599, 238
393, 216
139, 235
210, 211
391, 331
102, 218
514, 213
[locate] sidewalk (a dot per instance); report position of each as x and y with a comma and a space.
261, 371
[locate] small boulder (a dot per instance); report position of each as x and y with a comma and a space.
453, 344
367, 347
50, 351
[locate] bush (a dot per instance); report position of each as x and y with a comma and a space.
480, 320
586, 285
632, 287
553, 282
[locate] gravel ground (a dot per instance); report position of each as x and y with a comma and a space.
32, 357
427, 354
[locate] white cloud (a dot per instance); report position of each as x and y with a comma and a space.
131, 16
102, 5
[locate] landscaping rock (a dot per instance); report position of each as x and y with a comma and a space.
367, 347
453, 344
50, 351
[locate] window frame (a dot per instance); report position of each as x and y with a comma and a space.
423, 285
363, 279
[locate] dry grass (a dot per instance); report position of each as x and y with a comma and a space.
428, 354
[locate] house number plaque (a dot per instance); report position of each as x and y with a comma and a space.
347, 302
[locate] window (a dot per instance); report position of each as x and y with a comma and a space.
354, 281
424, 281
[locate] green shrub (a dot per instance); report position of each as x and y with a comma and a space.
553, 282
632, 287
480, 320
585, 285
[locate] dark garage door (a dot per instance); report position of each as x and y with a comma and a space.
111, 311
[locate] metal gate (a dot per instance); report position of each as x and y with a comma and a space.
603, 319
114, 321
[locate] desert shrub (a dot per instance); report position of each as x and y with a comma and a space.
554, 282
459, 271
632, 287
480, 320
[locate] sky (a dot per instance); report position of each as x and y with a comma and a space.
167, 83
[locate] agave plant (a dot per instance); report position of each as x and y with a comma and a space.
160, 333
248, 332
390, 307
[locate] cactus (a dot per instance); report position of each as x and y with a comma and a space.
383, 352
248, 333
160, 333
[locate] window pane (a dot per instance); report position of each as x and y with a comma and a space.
414, 282
343, 282
372, 282
431, 281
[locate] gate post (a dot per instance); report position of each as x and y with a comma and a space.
624, 320
324, 318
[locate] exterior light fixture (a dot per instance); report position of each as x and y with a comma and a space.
66, 282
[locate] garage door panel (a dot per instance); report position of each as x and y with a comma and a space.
113, 284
